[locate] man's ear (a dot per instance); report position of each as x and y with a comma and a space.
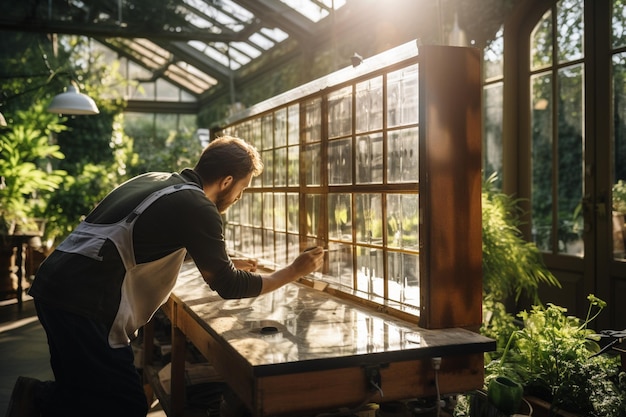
226, 182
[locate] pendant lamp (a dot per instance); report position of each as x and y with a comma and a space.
72, 101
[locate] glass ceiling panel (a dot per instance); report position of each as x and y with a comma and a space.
236, 55
229, 35
261, 41
218, 55
236, 11
275, 34
247, 49
310, 9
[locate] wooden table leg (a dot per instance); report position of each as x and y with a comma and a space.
179, 345
21, 271
148, 347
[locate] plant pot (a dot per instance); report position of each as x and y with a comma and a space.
481, 407
543, 408
505, 394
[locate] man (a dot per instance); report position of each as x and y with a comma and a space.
117, 267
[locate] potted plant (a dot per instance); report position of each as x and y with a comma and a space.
551, 356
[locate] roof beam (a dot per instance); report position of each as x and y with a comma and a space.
110, 31
189, 54
279, 15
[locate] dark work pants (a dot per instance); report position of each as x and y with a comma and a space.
91, 378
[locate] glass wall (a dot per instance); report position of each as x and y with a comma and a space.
618, 49
557, 83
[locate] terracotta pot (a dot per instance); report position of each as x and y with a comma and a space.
505, 394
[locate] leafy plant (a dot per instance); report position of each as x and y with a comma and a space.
551, 356
26, 154
619, 196
512, 266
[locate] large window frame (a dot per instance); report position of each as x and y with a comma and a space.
375, 163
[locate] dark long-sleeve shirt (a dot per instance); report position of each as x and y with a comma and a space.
183, 219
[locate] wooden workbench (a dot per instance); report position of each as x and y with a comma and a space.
298, 351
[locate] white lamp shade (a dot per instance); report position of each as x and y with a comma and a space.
72, 102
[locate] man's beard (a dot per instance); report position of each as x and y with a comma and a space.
223, 202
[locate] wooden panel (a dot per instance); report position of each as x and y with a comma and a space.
317, 359
450, 187
283, 394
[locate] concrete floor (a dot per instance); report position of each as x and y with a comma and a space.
24, 350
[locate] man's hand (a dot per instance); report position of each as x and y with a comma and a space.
311, 259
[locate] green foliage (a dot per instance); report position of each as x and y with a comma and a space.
511, 265
551, 357
170, 147
25, 165
619, 196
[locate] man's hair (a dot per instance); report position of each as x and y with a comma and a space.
228, 155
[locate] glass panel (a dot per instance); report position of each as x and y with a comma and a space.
166, 91
255, 208
340, 265
369, 105
619, 154
340, 162
369, 159
492, 137
267, 129
619, 23
280, 248
268, 245
280, 127
293, 123
542, 155
369, 263
280, 213
246, 238
256, 134
340, 217
257, 242
280, 167
402, 156
340, 112
245, 206
369, 219
293, 247
312, 164
312, 120
541, 43
570, 162
403, 275
268, 210
234, 213
268, 168
403, 221
293, 208
493, 57
313, 224
294, 165
569, 20
402, 96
